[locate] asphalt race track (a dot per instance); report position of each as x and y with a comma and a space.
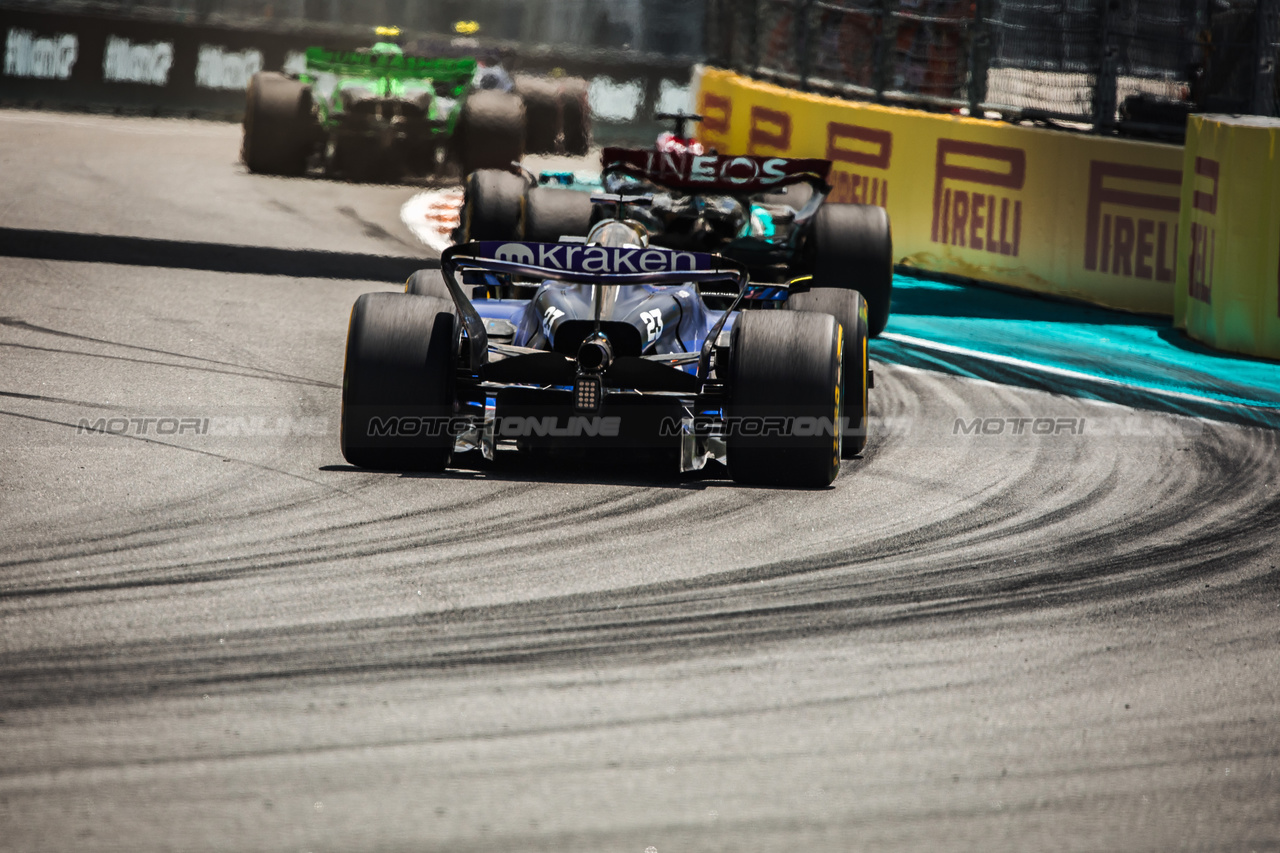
228, 639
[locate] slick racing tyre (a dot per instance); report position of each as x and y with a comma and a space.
428, 283
492, 206
542, 113
556, 115
851, 246
279, 130
551, 213
490, 132
784, 399
850, 309
575, 116
397, 386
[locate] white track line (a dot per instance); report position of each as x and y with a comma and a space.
432, 215
1061, 371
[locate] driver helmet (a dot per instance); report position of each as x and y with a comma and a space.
492, 77
389, 41
623, 234
669, 143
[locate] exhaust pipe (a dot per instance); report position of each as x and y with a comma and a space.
595, 354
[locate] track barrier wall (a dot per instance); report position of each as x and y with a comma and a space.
1228, 288
1070, 215
1133, 67
166, 67
131, 64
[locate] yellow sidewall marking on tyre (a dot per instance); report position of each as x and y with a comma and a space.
838, 427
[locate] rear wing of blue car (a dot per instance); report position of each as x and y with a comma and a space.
575, 263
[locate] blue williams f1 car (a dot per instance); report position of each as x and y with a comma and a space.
609, 343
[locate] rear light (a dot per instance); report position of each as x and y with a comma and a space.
588, 392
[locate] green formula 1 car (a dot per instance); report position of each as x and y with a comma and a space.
380, 114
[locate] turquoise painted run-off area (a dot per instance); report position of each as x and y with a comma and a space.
1085, 351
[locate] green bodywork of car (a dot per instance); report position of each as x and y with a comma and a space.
384, 71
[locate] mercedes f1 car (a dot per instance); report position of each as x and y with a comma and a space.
768, 213
380, 114
610, 343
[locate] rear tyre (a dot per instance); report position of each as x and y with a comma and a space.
852, 248
492, 206
575, 116
556, 114
551, 213
398, 383
490, 132
542, 113
850, 309
279, 129
784, 399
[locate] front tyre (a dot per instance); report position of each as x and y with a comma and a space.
398, 383
784, 399
850, 310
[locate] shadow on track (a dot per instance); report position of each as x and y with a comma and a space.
209, 257
538, 471
604, 468
653, 472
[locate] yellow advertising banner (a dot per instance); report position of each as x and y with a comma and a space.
1228, 288
1067, 214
